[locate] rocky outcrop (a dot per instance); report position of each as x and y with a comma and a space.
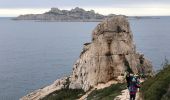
55, 14
109, 55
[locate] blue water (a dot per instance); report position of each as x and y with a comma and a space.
34, 54
152, 38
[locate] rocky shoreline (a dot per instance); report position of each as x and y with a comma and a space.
107, 58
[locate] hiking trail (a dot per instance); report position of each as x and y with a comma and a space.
125, 95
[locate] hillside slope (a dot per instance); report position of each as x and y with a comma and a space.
158, 87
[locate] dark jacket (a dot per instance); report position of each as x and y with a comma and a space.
128, 80
133, 87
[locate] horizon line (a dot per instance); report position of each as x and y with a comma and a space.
14, 12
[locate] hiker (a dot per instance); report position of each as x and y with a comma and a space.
128, 79
133, 87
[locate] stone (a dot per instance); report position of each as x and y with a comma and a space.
111, 53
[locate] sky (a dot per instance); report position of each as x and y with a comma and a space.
126, 7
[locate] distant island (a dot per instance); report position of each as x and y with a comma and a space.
76, 14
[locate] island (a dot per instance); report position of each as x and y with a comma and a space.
74, 15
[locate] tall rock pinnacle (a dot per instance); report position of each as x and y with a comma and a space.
110, 54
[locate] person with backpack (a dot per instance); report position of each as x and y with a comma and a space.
128, 78
133, 87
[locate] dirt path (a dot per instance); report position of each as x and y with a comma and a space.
125, 95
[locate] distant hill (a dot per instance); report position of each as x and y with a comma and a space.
55, 14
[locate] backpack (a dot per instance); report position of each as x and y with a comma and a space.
132, 88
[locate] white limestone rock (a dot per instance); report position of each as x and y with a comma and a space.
110, 54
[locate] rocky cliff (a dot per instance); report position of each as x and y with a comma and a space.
110, 54
107, 57
55, 14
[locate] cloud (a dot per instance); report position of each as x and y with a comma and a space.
135, 11
21, 11
80, 3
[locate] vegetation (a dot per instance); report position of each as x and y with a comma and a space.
102, 94
65, 94
156, 88
107, 93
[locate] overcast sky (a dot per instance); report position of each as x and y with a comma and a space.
127, 7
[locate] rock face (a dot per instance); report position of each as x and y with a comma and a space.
55, 14
110, 54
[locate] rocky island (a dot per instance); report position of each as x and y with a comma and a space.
102, 62
55, 14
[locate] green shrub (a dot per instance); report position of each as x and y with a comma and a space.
108, 93
65, 94
155, 88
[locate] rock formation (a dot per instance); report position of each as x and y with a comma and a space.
55, 14
110, 54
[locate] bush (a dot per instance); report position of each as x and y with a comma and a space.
108, 93
65, 94
155, 88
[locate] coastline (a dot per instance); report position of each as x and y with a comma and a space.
89, 72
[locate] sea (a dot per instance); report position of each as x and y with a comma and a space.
33, 54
